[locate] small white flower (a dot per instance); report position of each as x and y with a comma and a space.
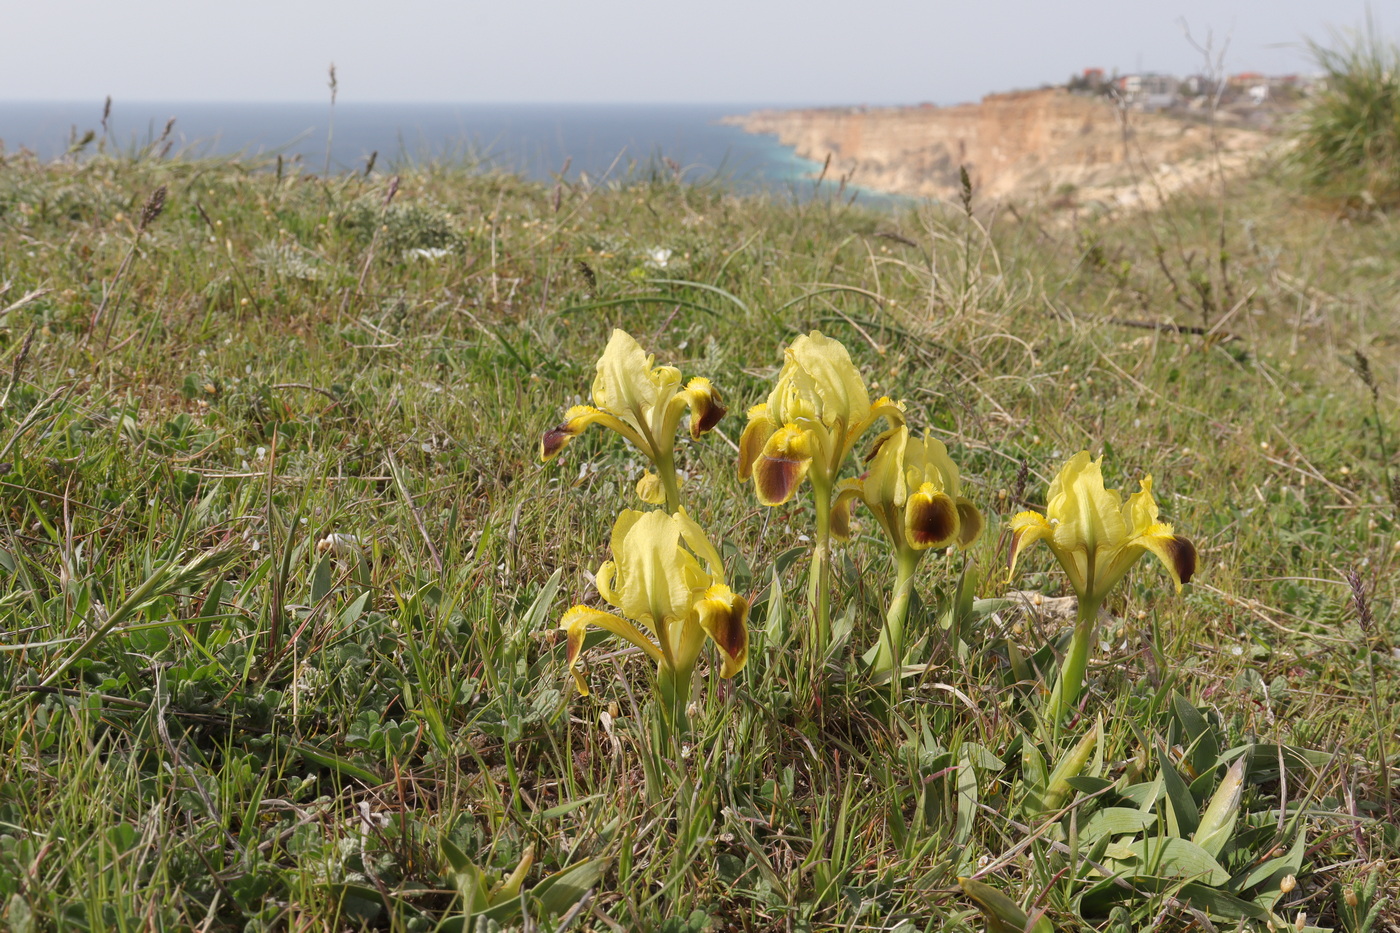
658, 257
429, 253
341, 545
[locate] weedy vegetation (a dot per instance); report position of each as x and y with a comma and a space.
284, 573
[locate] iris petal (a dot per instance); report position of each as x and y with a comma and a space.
650, 490
885, 482
1026, 529
625, 381
577, 420
554, 441
575, 623
819, 365
970, 523
723, 614
930, 518
1175, 552
782, 465
755, 436
1140, 511
699, 544
930, 455
884, 407
705, 407
603, 580
887, 408
1089, 516
846, 494
654, 576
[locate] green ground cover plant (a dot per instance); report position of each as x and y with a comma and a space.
284, 572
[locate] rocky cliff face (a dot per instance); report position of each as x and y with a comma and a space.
1024, 145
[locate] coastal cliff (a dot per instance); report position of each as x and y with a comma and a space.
1026, 145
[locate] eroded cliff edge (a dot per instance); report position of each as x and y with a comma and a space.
1026, 145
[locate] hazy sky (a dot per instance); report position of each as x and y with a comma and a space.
730, 51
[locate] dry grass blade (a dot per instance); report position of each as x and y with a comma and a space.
112, 293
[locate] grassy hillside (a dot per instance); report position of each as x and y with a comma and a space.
212, 722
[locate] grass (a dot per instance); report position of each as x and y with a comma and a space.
1348, 140
212, 723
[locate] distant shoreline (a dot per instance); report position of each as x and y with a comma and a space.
541, 142
1046, 145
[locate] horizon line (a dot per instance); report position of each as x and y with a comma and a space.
99, 102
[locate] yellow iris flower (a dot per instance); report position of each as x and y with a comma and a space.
815, 414
913, 487
1096, 536
667, 581
643, 402
813, 417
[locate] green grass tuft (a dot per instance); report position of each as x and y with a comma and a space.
1347, 143
209, 722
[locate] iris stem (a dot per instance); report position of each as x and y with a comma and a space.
819, 584
666, 470
673, 689
891, 654
1071, 679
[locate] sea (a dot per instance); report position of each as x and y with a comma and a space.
545, 142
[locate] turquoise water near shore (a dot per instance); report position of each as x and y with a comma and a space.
539, 141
